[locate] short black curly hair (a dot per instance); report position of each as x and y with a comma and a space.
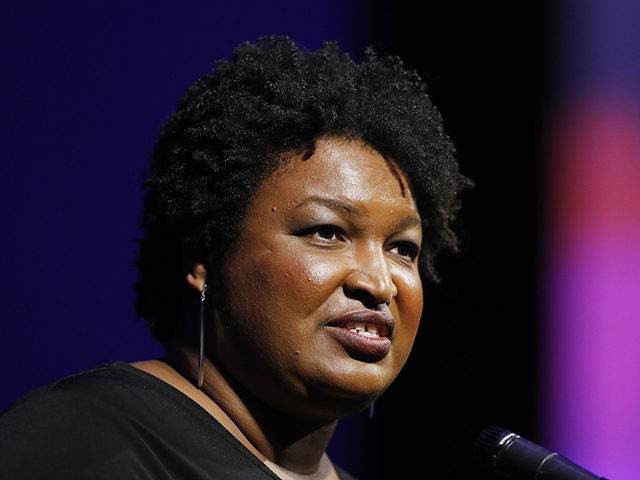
233, 125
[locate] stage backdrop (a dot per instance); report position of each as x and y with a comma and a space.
87, 85
590, 381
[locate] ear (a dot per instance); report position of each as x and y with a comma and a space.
197, 277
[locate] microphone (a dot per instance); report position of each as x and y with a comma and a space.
517, 458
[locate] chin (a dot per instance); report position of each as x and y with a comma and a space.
351, 395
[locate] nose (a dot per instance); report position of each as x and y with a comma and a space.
370, 280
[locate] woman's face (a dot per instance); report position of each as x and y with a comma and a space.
323, 295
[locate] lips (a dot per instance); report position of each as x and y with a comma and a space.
364, 334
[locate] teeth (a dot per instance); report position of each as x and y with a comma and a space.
363, 329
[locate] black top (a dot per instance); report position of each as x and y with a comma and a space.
118, 422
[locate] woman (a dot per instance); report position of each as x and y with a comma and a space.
295, 202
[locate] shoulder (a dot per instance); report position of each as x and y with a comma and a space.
78, 422
107, 398
116, 421
78, 390
105, 387
85, 394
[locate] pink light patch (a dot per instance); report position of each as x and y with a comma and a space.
591, 391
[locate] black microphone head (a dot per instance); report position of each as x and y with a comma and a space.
488, 445
517, 458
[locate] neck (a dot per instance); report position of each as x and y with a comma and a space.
291, 446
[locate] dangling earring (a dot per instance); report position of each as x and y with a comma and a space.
203, 295
372, 409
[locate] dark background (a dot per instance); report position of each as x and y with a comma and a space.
475, 363
85, 87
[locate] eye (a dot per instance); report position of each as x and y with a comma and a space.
406, 250
323, 232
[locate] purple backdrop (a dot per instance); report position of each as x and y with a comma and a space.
590, 373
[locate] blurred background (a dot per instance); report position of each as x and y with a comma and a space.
535, 324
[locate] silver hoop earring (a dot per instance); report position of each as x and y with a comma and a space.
372, 409
203, 295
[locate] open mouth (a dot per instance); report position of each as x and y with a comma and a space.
371, 323
364, 334
368, 330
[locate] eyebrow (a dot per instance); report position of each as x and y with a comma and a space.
409, 222
332, 203
350, 209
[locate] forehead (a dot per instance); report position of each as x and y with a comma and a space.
342, 167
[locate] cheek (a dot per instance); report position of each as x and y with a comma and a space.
410, 304
307, 280
286, 281
415, 300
